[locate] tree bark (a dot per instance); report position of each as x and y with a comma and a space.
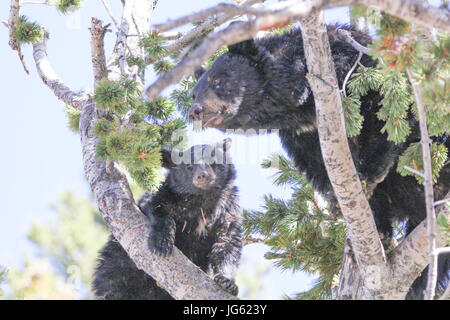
366, 245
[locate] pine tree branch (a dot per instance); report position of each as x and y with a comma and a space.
50, 78
366, 244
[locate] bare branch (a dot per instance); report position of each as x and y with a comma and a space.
347, 37
420, 174
425, 142
227, 9
111, 15
50, 78
212, 43
196, 32
36, 2
350, 73
437, 203
415, 11
98, 32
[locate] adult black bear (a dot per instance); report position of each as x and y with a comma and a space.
262, 85
197, 210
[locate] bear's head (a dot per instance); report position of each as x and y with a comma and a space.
225, 96
201, 168
256, 85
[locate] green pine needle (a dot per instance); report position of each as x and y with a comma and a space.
301, 235
397, 99
73, 117
353, 118
182, 96
27, 32
110, 95
160, 108
154, 44
412, 157
444, 223
67, 6
162, 66
103, 127
136, 61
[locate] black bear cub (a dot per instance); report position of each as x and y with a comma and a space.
196, 209
262, 84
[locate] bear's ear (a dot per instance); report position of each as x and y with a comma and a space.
166, 158
199, 72
245, 48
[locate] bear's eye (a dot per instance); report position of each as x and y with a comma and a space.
193, 96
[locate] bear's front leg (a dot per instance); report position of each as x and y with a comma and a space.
162, 238
225, 254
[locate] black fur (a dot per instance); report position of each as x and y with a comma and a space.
203, 220
262, 85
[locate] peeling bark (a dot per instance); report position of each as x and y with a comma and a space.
98, 32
